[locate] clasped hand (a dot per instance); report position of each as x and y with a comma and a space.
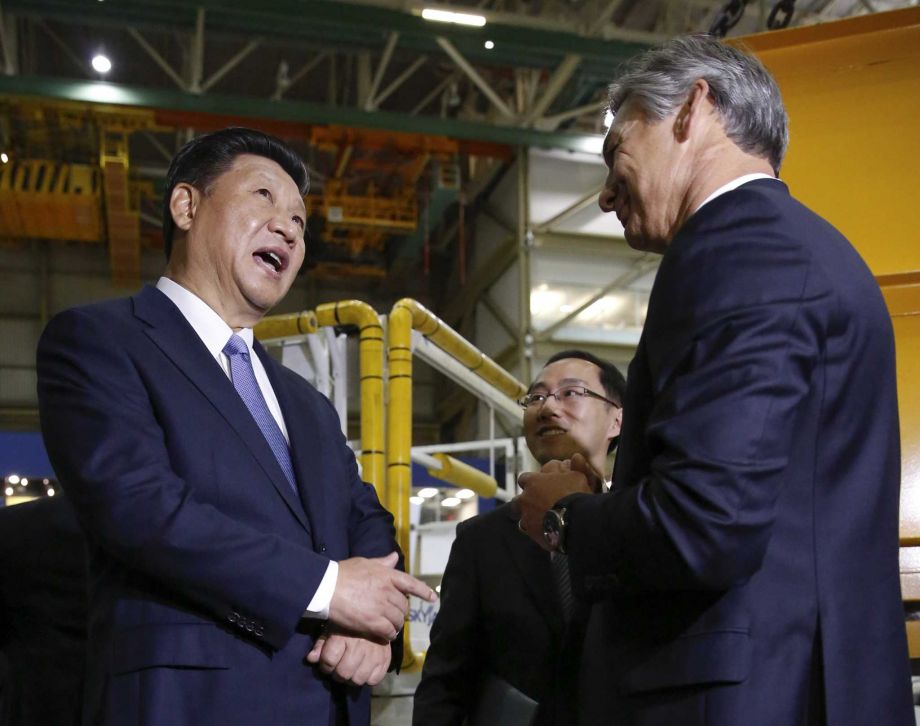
557, 479
351, 659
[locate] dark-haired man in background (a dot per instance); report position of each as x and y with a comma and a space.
503, 612
241, 572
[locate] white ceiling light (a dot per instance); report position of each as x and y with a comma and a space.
13, 478
465, 494
101, 64
417, 500
427, 492
489, 45
450, 502
4, 157
9, 491
446, 16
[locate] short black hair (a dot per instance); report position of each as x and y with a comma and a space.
611, 379
206, 157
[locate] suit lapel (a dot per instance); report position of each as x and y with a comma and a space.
309, 446
534, 565
172, 334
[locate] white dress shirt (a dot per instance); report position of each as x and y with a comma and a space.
733, 184
215, 333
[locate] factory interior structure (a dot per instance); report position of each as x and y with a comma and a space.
453, 150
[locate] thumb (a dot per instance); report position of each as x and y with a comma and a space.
389, 561
313, 655
582, 465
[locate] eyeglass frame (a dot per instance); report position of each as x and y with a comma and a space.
586, 393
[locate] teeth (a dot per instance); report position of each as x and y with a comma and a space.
276, 259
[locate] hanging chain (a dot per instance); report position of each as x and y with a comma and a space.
775, 21
727, 18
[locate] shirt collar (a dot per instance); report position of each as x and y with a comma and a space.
211, 328
733, 184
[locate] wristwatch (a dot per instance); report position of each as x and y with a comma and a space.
554, 529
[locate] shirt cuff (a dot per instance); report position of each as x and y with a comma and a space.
318, 609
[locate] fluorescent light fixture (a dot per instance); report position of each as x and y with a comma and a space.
427, 492
417, 500
101, 64
9, 491
50, 492
13, 478
489, 45
465, 494
24, 482
446, 16
450, 502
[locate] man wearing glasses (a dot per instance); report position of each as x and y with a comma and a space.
506, 606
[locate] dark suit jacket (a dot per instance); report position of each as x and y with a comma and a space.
500, 614
202, 558
43, 598
748, 555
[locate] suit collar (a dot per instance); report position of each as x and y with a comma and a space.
173, 334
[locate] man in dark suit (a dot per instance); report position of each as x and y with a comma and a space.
241, 572
746, 559
42, 613
502, 614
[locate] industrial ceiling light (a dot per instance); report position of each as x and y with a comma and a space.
427, 492
489, 45
101, 64
4, 157
450, 502
446, 16
465, 494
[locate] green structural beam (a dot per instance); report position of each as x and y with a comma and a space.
332, 20
243, 107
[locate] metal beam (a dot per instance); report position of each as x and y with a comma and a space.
9, 38
639, 269
196, 62
474, 76
552, 122
77, 61
496, 312
295, 112
554, 86
157, 58
481, 280
304, 70
370, 102
399, 80
231, 64
586, 201
434, 93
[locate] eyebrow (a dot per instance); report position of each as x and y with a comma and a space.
609, 149
564, 382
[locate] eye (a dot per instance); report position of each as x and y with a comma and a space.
265, 193
299, 221
570, 393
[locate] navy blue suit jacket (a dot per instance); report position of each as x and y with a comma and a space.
746, 560
202, 558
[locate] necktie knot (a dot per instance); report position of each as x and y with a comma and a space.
236, 346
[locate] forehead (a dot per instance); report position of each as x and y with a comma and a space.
574, 369
247, 167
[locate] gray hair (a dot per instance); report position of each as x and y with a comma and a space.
743, 91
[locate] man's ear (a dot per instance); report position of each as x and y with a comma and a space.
692, 112
613, 429
183, 203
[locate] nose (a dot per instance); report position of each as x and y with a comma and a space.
607, 197
286, 228
549, 407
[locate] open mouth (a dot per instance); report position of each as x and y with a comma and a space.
551, 431
273, 260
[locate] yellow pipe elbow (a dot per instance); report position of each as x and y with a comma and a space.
286, 326
463, 475
446, 338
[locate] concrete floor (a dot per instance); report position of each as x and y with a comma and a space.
392, 701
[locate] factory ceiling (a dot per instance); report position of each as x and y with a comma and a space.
403, 121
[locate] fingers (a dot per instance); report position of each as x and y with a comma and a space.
408, 585
351, 659
333, 653
316, 650
524, 479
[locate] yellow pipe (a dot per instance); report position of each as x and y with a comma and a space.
463, 475
445, 337
399, 442
286, 326
370, 357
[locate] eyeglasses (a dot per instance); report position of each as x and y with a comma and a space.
568, 396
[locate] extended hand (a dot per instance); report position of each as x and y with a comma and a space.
542, 490
370, 597
350, 659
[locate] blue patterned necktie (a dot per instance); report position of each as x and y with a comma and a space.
244, 381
